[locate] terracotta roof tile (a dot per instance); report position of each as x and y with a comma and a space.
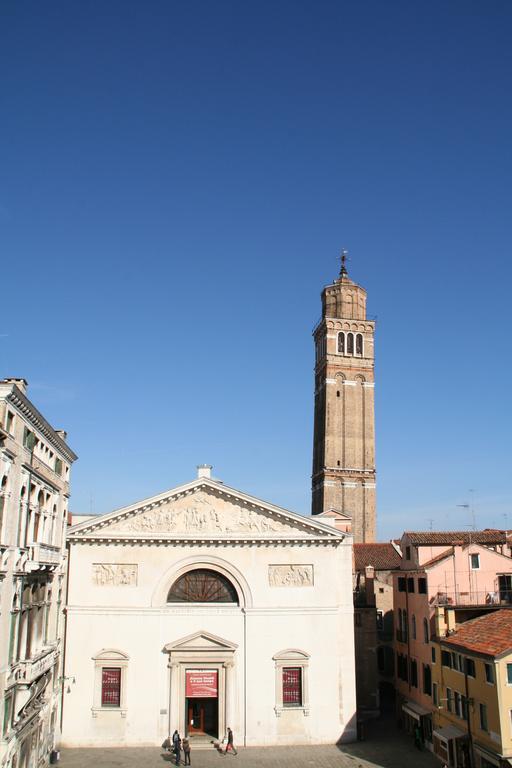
440, 538
383, 557
490, 634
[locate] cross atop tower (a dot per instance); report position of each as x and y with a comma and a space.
344, 258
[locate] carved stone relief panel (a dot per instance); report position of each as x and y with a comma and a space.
202, 513
114, 575
290, 575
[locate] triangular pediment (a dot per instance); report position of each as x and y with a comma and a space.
203, 509
200, 641
335, 513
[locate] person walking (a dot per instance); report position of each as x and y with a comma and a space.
230, 746
186, 750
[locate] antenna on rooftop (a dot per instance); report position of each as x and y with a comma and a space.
471, 507
431, 523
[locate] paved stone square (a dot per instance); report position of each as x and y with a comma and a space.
385, 747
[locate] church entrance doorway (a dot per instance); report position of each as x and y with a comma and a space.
201, 702
202, 717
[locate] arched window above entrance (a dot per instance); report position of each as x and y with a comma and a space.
202, 585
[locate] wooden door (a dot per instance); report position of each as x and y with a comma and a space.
195, 716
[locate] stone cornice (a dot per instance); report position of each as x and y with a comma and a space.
30, 412
214, 609
323, 320
207, 541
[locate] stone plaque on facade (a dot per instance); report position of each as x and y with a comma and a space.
114, 575
290, 575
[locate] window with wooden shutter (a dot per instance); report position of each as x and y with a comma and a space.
292, 687
111, 687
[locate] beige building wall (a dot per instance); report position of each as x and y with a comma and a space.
374, 625
504, 695
495, 737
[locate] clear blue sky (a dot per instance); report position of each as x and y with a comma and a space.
176, 182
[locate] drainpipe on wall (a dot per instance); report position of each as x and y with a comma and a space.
20, 621
454, 576
408, 633
31, 445
245, 676
468, 716
64, 636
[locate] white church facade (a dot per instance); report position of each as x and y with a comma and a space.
203, 608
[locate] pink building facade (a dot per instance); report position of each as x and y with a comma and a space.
468, 570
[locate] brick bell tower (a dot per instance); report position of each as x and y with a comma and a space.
343, 477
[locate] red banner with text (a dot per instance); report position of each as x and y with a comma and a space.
201, 683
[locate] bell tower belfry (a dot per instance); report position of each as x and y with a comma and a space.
343, 477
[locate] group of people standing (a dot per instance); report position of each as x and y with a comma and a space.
176, 744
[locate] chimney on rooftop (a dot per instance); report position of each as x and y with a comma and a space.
369, 584
204, 470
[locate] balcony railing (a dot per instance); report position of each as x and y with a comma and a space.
31, 669
498, 597
49, 472
46, 554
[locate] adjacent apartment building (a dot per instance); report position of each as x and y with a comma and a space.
468, 571
35, 464
374, 564
472, 689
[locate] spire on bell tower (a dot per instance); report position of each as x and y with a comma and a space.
344, 259
343, 477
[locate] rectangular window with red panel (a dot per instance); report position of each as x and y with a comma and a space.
111, 687
292, 687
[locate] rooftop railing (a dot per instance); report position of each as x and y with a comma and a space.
472, 597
